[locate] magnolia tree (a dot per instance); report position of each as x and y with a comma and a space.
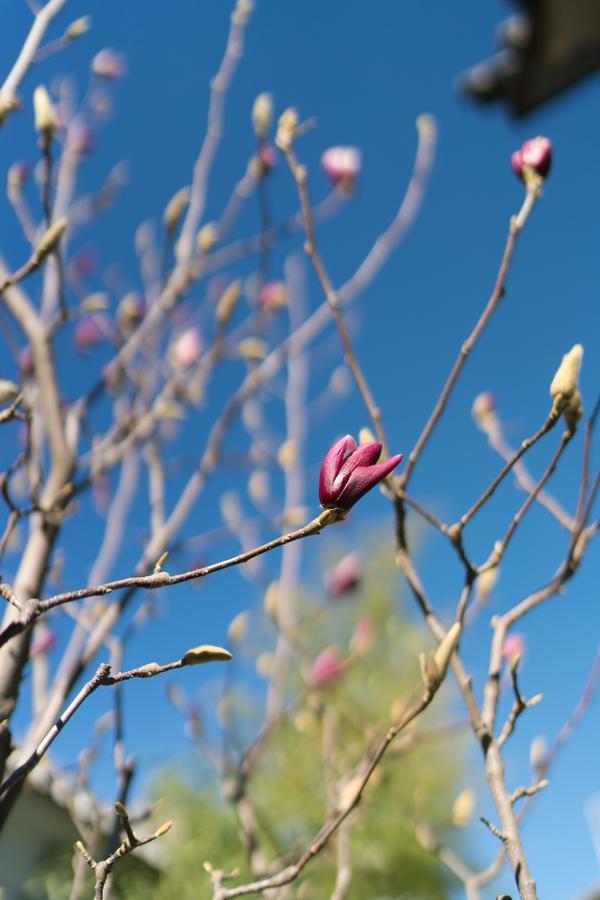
156, 359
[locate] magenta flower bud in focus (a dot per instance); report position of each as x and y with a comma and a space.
327, 668
109, 64
534, 157
342, 166
88, 334
348, 472
514, 645
345, 576
187, 349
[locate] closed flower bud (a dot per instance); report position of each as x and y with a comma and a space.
287, 454
345, 576
531, 162
362, 636
228, 302
207, 238
205, 653
252, 349
348, 472
130, 312
342, 166
272, 296
262, 115
484, 412
271, 600
109, 64
485, 584
366, 436
327, 669
538, 752
8, 391
175, 208
186, 350
264, 664
79, 27
462, 808
96, 302
17, 176
286, 128
258, 486
45, 120
88, 334
50, 239
238, 628
513, 648
564, 388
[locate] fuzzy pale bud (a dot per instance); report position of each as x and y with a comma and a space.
327, 668
342, 166
50, 240
8, 391
175, 209
286, 128
78, 28
262, 115
228, 302
462, 808
344, 577
205, 653
43, 111
207, 238
564, 388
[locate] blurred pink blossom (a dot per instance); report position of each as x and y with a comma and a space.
109, 64
88, 334
272, 296
362, 636
345, 576
514, 645
186, 350
43, 644
327, 668
17, 175
342, 165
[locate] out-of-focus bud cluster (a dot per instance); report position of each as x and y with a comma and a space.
564, 388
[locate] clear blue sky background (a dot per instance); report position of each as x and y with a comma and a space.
365, 71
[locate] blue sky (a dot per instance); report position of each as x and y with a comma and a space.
365, 77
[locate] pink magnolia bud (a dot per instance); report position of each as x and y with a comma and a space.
81, 139
362, 636
88, 334
342, 166
348, 472
345, 576
514, 645
272, 296
484, 411
187, 349
327, 668
267, 158
43, 644
535, 157
17, 176
109, 64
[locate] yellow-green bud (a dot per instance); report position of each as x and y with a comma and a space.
262, 115
175, 208
43, 112
50, 240
78, 27
228, 302
286, 128
205, 653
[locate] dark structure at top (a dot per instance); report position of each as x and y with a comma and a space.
545, 49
